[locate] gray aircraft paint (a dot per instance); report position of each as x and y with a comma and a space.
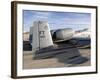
66, 33
41, 35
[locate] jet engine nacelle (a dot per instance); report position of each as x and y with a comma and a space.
63, 34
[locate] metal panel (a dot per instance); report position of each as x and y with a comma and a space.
64, 34
41, 35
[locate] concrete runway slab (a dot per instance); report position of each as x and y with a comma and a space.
59, 60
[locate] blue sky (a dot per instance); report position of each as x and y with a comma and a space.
57, 20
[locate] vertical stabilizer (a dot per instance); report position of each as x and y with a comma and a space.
41, 35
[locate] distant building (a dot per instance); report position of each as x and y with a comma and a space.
26, 36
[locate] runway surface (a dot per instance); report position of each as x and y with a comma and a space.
80, 57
